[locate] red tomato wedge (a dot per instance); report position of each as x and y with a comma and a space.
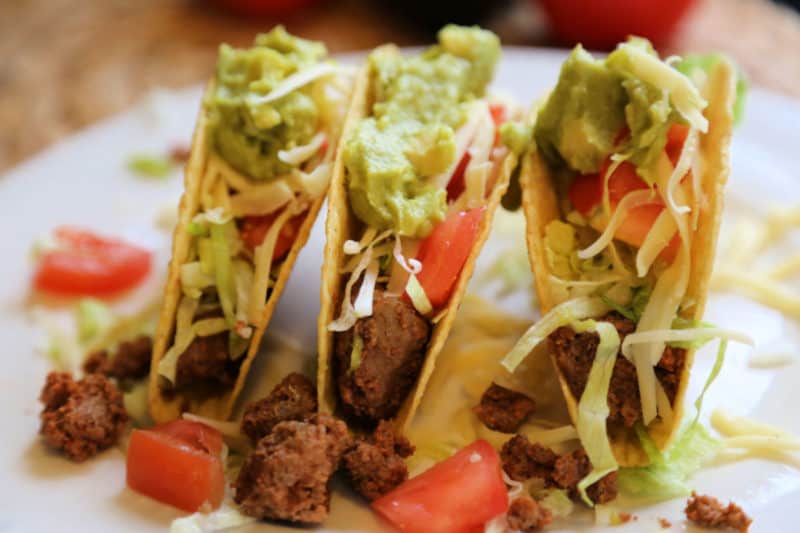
173, 464
253, 229
458, 495
85, 264
586, 192
456, 184
196, 434
499, 117
444, 252
676, 136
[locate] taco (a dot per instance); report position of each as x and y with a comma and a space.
259, 169
622, 190
419, 174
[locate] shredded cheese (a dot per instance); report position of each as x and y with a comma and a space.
689, 334
294, 82
631, 200
262, 261
657, 239
260, 199
300, 154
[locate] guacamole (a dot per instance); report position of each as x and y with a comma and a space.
248, 134
410, 134
580, 123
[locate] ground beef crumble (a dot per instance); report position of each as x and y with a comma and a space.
394, 340
707, 511
294, 398
375, 465
286, 476
526, 515
503, 409
523, 460
81, 418
574, 354
130, 362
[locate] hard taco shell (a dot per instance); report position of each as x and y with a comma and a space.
540, 205
342, 224
165, 406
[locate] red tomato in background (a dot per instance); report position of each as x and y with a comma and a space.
254, 228
88, 265
458, 495
264, 7
603, 24
179, 464
444, 252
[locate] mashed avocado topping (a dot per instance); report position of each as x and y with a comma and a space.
248, 133
410, 135
595, 100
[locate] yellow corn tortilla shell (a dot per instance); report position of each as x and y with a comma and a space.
540, 206
342, 224
168, 406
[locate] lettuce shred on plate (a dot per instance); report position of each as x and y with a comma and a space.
667, 475
150, 166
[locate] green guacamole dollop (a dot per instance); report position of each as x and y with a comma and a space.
594, 100
249, 134
419, 102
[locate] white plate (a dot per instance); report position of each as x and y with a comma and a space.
83, 181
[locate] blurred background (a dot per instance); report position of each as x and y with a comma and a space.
68, 63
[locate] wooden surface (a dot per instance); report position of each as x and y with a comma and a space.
67, 64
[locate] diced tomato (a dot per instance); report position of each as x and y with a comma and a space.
176, 464
586, 192
458, 495
621, 182
253, 229
456, 184
676, 136
444, 252
196, 434
88, 265
499, 117
498, 112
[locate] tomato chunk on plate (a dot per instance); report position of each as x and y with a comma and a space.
179, 464
444, 252
458, 495
84, 264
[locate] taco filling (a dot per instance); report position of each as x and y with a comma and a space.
419, 170
271, 113
620, 139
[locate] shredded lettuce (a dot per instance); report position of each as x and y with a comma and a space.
197, 229
91, 316
561, 315
417, 294
149, 166
715, 370
261, 199
225, 518
194, 279
184, 335
355, 354
699, 65
557, 501
667, 474
593, 406
135, 402
223, 269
